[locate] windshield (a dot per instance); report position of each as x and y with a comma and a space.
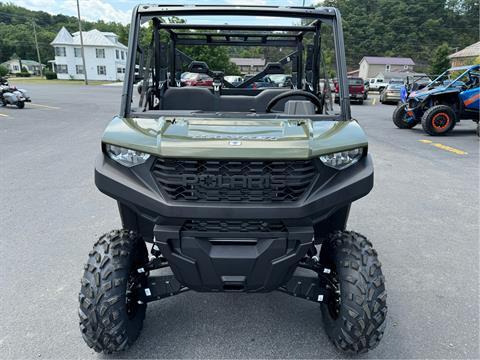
355, 82
396, 81
229, 57
232, 78
395, 86
189, 76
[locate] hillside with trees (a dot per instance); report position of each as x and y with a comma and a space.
421, 29
16, 31
410, 28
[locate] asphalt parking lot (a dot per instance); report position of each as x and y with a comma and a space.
422, 217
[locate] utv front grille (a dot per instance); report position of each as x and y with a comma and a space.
247, 226
233, 181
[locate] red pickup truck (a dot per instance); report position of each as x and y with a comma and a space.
356, 89
194, 79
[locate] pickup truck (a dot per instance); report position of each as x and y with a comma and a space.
356, 89
263, 83
377, 85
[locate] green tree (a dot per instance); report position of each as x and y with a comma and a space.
440, 61
217, 58
407, 28
3, 71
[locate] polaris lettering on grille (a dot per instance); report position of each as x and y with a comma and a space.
247, 181
235, 181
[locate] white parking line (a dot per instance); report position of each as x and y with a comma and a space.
46, 106
3, 115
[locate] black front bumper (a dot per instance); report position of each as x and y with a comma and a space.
136, 188
228, 246
235, 260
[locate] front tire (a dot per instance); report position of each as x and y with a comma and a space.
439, 120
110, 316
21, 104
354, 317
399, 118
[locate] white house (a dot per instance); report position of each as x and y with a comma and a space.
15, 66
105, 56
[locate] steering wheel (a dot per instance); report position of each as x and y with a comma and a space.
293, 93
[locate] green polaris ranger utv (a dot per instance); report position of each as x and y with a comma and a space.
232, 187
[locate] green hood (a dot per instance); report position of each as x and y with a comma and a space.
221, 138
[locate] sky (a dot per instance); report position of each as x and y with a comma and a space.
120, 10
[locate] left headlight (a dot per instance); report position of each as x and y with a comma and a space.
126, 157
343, 159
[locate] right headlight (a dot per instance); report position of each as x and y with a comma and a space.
126, 157
343, 159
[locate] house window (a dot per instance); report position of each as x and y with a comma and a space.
117, 54
123, 55
15, 68
119, 70
405, 67
60, 51
101, 70
100, 53
387, 68
62, 69
78, 52
79, 69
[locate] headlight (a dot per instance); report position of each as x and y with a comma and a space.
126, 157
342, 160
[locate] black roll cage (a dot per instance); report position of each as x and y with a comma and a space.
236, 35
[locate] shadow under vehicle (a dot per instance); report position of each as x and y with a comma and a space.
236, 189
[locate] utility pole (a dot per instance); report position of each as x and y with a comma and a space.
81, 43
303, 3
38, 50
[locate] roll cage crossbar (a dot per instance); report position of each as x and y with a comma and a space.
234, 35
464, 71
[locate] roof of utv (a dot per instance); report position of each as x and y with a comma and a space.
275, 11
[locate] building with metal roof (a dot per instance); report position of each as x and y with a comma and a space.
465, 56
15, 66
105, 56
249, 65
371, 66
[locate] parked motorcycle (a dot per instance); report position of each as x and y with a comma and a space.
10, 95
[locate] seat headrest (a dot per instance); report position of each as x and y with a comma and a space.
274, 68
198, 67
